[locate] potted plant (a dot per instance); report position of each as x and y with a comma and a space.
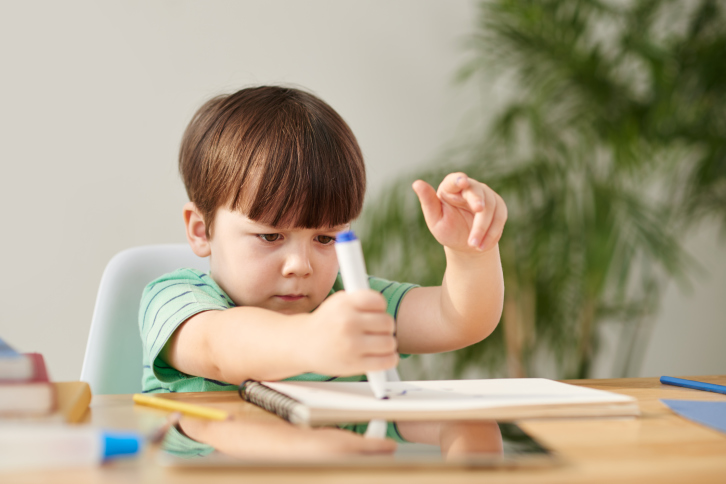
611, 143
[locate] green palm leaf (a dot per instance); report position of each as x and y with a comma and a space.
611, 145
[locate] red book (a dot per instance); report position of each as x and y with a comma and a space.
34, 396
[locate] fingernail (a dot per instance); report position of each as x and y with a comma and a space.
474, 242
460, 180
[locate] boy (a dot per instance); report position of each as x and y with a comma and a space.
273, 174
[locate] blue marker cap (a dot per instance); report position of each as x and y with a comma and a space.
346, 236
120, 443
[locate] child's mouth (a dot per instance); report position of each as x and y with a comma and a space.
291, 297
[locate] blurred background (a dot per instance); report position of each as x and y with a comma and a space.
602, 124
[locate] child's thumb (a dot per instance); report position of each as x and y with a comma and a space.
430, 203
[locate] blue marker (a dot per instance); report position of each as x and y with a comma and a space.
695, 385
355, 278
41, 446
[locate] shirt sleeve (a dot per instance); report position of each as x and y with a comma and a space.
180, 445
165, 304
392, 291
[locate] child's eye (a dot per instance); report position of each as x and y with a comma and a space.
269, 237
326, 239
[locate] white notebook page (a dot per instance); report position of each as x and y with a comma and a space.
443, 394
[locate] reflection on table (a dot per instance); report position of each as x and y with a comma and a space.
247, 442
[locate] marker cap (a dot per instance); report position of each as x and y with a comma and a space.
120, 443
346, 236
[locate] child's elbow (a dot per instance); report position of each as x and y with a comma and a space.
488, 323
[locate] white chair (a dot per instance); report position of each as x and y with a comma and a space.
113, 360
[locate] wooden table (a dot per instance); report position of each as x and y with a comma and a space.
659, 447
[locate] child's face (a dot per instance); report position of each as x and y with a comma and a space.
285, 270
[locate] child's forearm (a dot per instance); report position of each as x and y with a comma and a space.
462, 311
472, 293
347, 334
227, 345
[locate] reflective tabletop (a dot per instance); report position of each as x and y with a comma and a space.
276, 443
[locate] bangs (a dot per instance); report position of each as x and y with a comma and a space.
304, 169
280, 156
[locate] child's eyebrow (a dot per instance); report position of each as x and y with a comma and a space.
336, 229
261, 227
324, 229
258, 227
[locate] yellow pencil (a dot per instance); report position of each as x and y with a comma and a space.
186, 408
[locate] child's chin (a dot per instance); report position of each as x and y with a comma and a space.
292, 308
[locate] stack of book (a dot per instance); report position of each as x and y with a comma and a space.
26, 391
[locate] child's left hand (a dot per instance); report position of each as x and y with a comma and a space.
464, 214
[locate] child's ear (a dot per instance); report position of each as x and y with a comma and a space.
196, 230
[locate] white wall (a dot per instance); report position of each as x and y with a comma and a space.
690, 333
94, 97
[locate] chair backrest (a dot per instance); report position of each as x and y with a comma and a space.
113, 360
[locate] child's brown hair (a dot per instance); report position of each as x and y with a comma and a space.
279, 155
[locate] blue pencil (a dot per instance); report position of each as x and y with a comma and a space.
696, 385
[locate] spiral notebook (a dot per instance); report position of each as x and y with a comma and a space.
314, 403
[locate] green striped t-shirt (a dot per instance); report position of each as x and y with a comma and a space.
173, 298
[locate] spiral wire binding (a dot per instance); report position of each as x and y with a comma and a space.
269, 399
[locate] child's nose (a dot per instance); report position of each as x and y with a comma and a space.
297, 263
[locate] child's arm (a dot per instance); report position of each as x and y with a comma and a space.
467, 218
348, 334
250, 438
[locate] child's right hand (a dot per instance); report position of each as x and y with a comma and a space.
256, 439
351, 334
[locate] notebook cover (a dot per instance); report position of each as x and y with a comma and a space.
710, 414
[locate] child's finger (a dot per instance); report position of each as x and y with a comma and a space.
381, 324
369, 300
377, 345
496, 227
475, 197
339, 441
482, 220
430, 203
368, 446
378, 446
379, 363
453, 184
454, 190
